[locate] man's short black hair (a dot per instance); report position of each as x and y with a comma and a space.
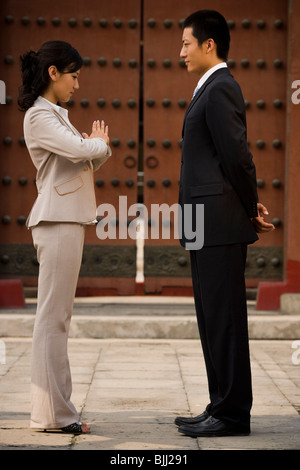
210, 24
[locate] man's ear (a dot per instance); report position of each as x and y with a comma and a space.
53, 72
210, 45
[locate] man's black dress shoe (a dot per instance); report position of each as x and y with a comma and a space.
212, 427
180, 420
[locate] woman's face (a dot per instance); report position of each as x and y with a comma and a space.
62, 85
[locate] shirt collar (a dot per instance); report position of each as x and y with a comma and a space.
209, 73
62, 111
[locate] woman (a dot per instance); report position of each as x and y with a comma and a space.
65, 161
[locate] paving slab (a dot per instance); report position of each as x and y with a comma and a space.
131, 390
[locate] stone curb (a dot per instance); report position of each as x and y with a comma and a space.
148, 326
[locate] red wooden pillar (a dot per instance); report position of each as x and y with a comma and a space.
269, 293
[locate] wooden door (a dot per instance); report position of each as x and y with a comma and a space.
133, 79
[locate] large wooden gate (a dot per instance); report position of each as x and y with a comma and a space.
134, 79
258, 59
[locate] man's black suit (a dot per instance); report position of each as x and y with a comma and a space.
217, 171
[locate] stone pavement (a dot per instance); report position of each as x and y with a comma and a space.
130, 389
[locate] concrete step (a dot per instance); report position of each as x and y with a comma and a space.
144, 317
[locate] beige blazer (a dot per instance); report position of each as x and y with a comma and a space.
65, 163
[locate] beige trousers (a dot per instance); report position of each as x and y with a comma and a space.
59, 250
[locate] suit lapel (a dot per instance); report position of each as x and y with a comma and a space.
43, 102
75, 131
200, 92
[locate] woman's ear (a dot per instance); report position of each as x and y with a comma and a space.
53, 72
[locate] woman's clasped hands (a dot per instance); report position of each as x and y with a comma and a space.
99, 129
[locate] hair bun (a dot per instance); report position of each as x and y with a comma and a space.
29, 60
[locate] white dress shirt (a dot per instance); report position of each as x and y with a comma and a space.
64, 113
208, 74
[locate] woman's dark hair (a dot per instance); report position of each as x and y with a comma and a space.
210, 24
35, 65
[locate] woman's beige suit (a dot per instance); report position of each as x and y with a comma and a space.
65, 163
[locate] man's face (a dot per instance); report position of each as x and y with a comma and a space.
195, 56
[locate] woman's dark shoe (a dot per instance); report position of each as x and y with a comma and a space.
76, 428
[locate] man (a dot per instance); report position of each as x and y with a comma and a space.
217, 171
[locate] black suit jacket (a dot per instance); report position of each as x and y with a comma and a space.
217, 168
